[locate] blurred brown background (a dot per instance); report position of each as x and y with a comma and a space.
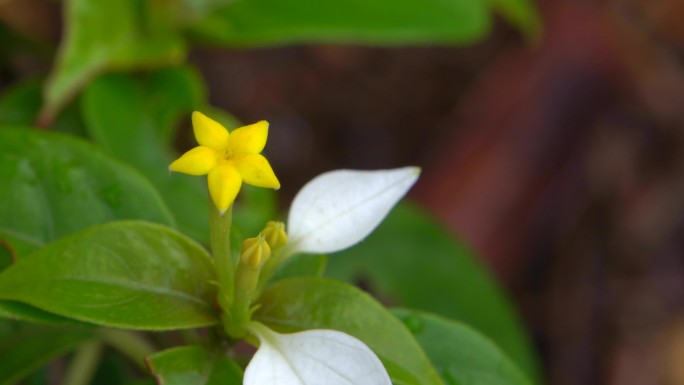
560, 161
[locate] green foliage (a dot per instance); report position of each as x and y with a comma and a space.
86, 232
320, 303
24, 312
106, 35
132, 275
352, 21
444, 278
32, 347
302, 265
522, 14
135, 119
54, 185
19, 105
461, 354
194, 365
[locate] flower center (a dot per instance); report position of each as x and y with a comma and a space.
227, 154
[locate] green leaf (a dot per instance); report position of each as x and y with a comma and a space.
133, 121
22, 312
127, 274
133, 118
54, 185
302, 265
27, 351
412, 260
19, 104
265, 22
460, 353
194, 365
523, 14
107, 35
319, 303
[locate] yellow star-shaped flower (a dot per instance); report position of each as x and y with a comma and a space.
228, 159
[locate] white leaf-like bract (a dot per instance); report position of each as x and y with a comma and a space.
312, 357
340, 208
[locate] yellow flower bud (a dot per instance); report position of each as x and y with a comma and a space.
275, 234
255, 252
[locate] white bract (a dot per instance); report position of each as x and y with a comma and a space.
340, 208
312, 357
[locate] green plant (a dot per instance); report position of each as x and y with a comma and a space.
97, 239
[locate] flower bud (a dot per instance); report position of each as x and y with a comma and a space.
275, 234
255, 252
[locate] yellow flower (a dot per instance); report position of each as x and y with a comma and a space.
228, 159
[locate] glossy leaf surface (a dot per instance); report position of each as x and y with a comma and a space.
460, 353
194, 365
54, 185
134, 275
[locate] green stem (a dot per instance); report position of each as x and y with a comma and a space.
247, 279
262, 332
130, 344
220, 250
82, 367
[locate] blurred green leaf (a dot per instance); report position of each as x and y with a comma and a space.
265, 22
135, 275
461, 354
412, 260
27, 351
194, 365
302, 265
19, 105
23, 312
253, 209
54, 185
134, 121
107, 35
521, 13
320, 303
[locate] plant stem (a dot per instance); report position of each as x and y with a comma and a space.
220, 251
247, 278
82, 367
130, 344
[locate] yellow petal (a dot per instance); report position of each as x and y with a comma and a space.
224, 185
198, 161
208, 132
249, 139
256, 170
